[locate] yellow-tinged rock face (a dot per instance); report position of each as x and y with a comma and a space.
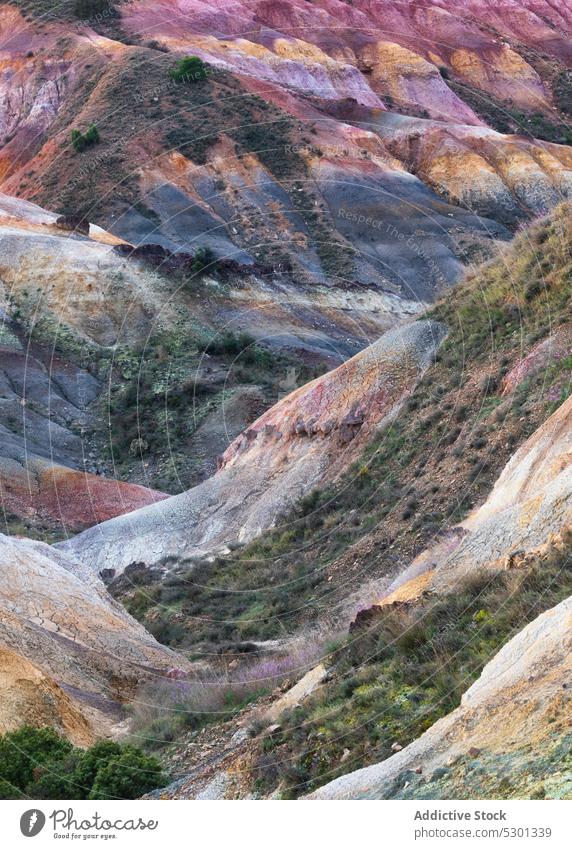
501, 71
389, 60
448, 172
31, 697
296, 49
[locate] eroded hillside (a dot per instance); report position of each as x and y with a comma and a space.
285, 361
330, 142
304, 440
448, 588
500, 372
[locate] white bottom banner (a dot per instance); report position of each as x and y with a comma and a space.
253, 825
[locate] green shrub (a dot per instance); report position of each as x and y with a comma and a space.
563, 92
191, 69
203, 258
127, 777
92, 759
39, 764
533, 290
81, 141
24, 750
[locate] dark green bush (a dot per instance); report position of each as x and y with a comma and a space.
127, 777
39, 764
81, 141
85, 9
92, 759
203, 258
191, 69
533, 290
25, 750
563, 92
57, 779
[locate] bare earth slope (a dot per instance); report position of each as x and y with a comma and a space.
57, 615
